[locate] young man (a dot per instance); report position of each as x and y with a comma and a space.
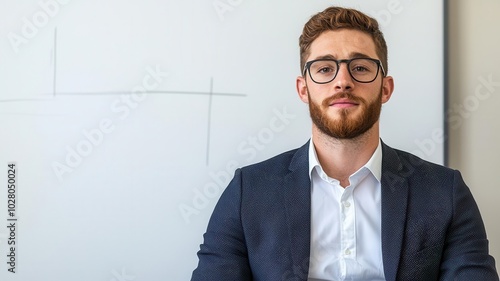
345, 206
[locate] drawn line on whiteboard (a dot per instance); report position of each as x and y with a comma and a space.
24, 100
209, 118
150, 92
123, 93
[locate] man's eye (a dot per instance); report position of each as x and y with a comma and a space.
360, 69
325, 70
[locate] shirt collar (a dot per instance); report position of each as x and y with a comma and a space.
374, 164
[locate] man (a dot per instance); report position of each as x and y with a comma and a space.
345, 206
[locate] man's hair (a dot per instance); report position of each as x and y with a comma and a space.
334, 18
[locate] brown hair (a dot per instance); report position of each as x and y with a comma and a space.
334, 18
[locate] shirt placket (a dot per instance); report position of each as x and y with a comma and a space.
348, 231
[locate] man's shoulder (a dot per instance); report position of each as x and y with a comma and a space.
280, 163
409, 163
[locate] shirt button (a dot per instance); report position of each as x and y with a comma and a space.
347, 204
347, 252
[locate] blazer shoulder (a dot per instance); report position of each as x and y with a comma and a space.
281, 163
395, 159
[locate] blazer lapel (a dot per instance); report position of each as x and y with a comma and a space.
394, 204
297, 199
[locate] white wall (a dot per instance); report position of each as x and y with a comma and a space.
474, 44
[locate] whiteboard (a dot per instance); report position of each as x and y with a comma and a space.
125, 120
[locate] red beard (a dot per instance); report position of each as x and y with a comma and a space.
346, 126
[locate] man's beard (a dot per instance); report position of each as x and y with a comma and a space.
345, 126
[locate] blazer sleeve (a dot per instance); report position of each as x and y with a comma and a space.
223, 254
465, 255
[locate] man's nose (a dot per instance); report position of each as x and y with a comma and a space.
343, 80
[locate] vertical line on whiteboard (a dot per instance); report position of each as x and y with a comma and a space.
210, 95
55, 63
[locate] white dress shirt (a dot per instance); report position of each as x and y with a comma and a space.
346, 223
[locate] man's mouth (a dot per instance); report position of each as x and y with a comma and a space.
343, 103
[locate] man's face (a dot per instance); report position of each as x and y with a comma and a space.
343, 108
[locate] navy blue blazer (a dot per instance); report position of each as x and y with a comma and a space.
260, 228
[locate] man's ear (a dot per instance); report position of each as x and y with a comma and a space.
301, 86
387, 88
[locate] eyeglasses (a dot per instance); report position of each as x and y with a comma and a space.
363, 70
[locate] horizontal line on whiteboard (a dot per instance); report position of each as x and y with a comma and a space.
25, 100
151, 92
51, 98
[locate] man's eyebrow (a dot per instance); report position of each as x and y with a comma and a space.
354, 55
325, 57
359, 55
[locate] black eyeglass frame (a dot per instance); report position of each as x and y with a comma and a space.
347, 61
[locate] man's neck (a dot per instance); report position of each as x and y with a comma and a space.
340, 158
